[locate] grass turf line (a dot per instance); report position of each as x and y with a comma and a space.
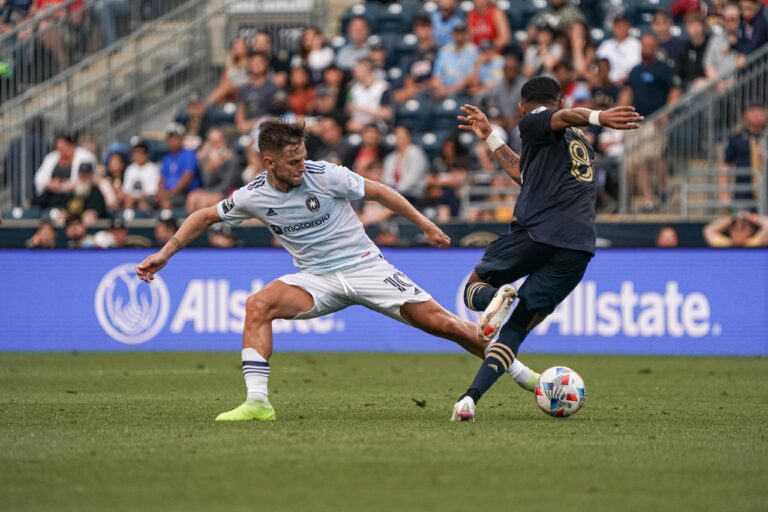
125, 432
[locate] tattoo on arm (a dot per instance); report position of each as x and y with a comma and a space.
509, 161
174, 242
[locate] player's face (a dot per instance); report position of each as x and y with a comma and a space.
287, 167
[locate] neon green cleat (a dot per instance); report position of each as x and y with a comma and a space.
249, 410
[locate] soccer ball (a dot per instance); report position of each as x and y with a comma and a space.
560, 391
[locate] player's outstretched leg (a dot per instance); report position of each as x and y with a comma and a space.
431, 317
276, 300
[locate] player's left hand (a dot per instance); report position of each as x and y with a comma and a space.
436, 237
621, 118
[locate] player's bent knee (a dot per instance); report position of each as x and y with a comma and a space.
258, 308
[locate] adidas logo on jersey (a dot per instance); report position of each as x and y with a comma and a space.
271, 213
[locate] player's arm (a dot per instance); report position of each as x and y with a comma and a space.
475, 121
192, 227
392, 200
619, 118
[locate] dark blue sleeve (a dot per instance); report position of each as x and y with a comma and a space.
536, 127
759, 35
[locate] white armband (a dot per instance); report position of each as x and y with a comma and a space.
594, 118
494, 142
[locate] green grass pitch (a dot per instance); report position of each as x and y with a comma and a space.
370, 432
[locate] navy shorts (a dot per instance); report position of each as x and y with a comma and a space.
552, 272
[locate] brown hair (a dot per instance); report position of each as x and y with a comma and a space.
274, 135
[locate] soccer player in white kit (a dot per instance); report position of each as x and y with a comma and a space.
306, 205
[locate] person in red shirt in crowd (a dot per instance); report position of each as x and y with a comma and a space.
51, 33
486, 21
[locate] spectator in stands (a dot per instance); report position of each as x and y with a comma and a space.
754, 28
605, 94
444, 20
581, 49
560, 14
371, 212
661, 26
651, 84
328, 143
622, 50
369, 150
489, 23
196, 118
506, 95
220, 235
335, 81
745, 149
165, 228
77, 234
301, 94
178, 170
87, 200
565, 75
109, 12
113, 238
325, 104
418, 67
313, 53
369, 98
543, 54
261, 42
254, 97
13, 12
111, 185
454, 64
235, 73
607, 165
720, 57
24, 156
406, 168
743, 229
377, 54
141, 179
54, 32
44, 237
357, 43
689, 62
488, 71
56, 176
447, 177
219, 172
667, 237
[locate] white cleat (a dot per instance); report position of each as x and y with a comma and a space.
464, 410
497, 310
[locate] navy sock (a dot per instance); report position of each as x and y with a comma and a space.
498, 358
478, 295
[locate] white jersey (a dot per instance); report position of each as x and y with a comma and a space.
314, 221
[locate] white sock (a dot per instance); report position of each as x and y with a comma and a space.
521, 373
256, 374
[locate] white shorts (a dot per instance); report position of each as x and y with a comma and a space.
375, 284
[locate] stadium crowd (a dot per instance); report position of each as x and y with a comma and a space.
387, 110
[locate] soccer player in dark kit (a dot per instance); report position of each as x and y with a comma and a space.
553, 237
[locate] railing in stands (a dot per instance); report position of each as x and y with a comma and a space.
679, 145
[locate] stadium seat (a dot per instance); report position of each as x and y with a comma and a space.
430, 143
404, 48
19, 213
415, 115
370, 11
444, 114
396, 78
396, 17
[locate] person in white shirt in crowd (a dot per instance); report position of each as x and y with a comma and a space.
369, 98
141, 178
407, 167
720, 57
622, 50
56, 177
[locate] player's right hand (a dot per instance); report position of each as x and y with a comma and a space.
436, 237
621, 118
147, 269
475, 121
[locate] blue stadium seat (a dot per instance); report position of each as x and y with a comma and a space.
444, 114
396, 17
429, 142
404, 48
415, 115
19, 213
370, 11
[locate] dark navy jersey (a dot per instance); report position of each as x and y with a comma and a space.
557, 198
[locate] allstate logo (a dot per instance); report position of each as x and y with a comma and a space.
128, 311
